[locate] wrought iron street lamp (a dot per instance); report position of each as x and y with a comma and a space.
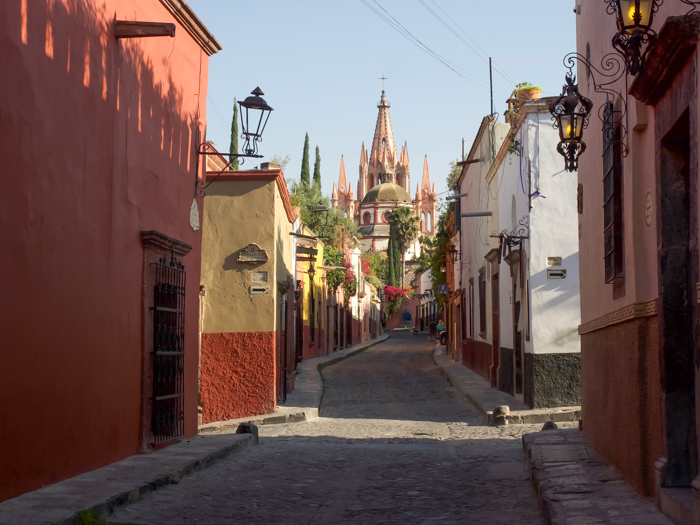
570, 113
249, 107
634, 19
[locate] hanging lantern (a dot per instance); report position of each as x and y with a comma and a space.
570, 113
634, 19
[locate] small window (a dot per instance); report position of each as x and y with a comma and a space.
386, 216
367, 218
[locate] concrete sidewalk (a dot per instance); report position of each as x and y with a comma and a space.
575, 487
485, 399
304, 402
126, 481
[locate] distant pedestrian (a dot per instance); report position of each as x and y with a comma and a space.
441, 326
433, 330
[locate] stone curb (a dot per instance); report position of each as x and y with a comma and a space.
479, 393
302, 404
118, 484
574, 486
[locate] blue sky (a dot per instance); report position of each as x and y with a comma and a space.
319, 63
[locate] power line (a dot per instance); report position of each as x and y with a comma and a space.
484, 57
216, 112
398, 27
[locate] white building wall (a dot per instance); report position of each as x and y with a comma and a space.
555, 303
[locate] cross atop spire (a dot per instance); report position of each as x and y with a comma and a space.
383, 78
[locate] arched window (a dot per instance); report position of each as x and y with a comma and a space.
367, 217
422, 222
430, 222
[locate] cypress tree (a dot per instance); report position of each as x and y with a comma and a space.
234, 137
391, 267
317, 170
397, 264
305, 178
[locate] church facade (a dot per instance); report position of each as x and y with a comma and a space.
383, 186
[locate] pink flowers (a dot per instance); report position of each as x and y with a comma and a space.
392, 293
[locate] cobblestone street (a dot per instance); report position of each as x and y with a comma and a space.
394, 443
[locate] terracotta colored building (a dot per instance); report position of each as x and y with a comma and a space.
248, 283
99, 226
638, 233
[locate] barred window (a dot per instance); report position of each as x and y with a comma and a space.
612, 193
482, 302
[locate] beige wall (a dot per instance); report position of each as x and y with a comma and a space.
238, 213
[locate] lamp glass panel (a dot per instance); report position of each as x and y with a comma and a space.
630, 8
578, 127
565, 128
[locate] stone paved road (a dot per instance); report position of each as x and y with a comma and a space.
395, 443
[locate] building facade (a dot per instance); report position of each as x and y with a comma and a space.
100, 227
384, 184
519, 266
638, 235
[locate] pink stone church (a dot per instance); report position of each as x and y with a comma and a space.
383, 186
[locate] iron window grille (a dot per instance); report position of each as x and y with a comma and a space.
482, 303
612, 194
168, 350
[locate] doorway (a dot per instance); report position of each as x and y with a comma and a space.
677, 252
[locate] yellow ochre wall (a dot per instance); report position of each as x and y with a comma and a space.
238, 213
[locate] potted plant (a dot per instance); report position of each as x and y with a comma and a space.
527, 91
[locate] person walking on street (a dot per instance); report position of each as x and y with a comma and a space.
433, 329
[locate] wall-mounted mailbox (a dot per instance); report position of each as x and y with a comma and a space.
556, 274
553, 261
259, 290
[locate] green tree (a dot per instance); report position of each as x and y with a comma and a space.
305, 177
404, 228
317, 170
332, 227
453, 175
234, 137
391, 267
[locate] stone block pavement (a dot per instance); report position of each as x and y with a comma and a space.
575, 487
304, 402
126, 481
484, 398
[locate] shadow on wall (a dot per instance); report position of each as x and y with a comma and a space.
101, 144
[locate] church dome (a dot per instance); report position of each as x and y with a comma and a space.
387, 192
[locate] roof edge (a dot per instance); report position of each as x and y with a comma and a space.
184, 14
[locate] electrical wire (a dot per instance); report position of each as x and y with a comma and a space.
399, 28
484, 57
217, 112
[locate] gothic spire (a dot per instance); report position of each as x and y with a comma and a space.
342, 183
426, 176
383, 145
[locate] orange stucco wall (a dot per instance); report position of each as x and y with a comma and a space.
99, 140
238, 375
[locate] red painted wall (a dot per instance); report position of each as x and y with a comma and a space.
621, 398
238, 375
477, 356
98, 142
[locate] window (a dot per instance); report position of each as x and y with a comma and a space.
482, 302
367, 217
386, 216
471, 308
612, 193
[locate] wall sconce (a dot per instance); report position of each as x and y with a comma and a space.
570, 113
634, 19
